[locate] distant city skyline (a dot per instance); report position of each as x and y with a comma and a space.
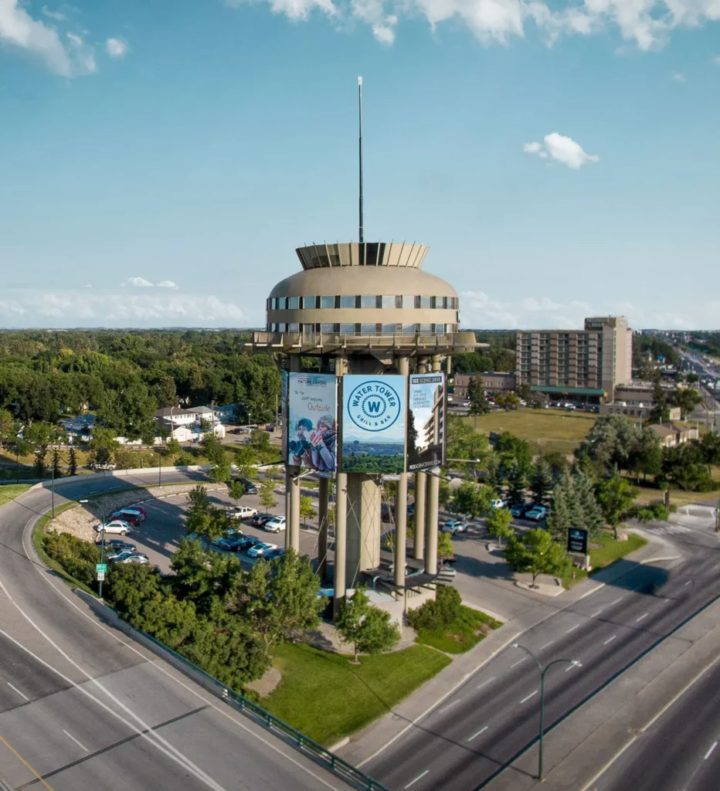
159, 168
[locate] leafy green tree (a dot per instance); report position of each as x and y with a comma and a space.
660, 412
513, 449
103, 445
212, 449
445, 545
535, 552
204, 519
472, 500
267, 495
613, 438
366, 627
8, 428
279, 599
220, 471
172, 447
687, 398
507, 400
236, 490
203, 576
498, 524
465, 443
476, 396
616, 497
653, 512
307, 511
40, 436
709, 447
541, 481
684, 467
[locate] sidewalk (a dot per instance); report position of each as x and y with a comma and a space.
380, 734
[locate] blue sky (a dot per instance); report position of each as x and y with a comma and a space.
160, 161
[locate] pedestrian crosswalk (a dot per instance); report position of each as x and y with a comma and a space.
670, 529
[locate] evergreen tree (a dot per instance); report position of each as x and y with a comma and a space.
72, 462
57, 470
563, 514
541, 481
476, 396
661, 411
592, 514
516, 483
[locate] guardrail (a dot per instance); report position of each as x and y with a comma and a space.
290, 735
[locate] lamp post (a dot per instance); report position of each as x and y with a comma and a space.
543, 671
103, 518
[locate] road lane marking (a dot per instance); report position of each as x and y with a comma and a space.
15, 689
487, 681
546, 645
79, 744
610, 640
519, 662
525, 700
482, 730
569, 668
689, 582
619, 599
449, 706
710, 751
25, 763
573, 628
637, 620
419, 777
597, 613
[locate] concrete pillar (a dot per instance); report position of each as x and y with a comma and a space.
288, 504
323, 496
363, 526
419, 542
431, 524
294, 527
403, 366
340, 584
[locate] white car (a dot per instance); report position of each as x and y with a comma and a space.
498, 503
241, 512
258, 550
115, 527
275, 525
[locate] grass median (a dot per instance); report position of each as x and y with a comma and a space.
10, 491
465, 632
326, 697
605, 555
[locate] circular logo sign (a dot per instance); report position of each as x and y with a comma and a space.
373, 405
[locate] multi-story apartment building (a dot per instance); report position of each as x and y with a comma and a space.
588, 362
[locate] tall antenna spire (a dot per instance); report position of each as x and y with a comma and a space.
362, 233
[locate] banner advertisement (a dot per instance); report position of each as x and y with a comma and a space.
577, 540
373, 428
311, 425
426, 422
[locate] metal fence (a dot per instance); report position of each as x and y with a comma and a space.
290, 735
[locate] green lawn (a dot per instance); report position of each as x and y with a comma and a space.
12, 490
327, 698
546, 429
462, 634
605, 555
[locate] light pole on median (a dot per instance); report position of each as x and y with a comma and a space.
103, 519
543, 671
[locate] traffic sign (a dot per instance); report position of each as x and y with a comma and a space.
100, 576
101, 568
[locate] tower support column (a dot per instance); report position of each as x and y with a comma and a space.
403, 366
419, 540
294, 521
433, 502
340, 584
323, 498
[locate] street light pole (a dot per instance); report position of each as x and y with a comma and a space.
543, 672
101, 508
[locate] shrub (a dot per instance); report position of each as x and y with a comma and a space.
76, 556
439, 613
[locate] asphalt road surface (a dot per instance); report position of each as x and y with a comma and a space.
680, 751
495, 715
83, 708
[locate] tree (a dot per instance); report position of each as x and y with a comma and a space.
616, 497
507, 400
267, 495
40, 436
537, 553
444, 546
476, 396
709, 447
517, 481
684, 467
541, 481
687, 398
8, 428
203, 576
366, 627
236, 490
204, 519
472, 499
591, 514
72, 461
524, 391
613, 438
172, 447
103, 444
212, 449
279, 599
220, 471
561, 516
307, 511
56, 461
498, 524
660, 413
653, 512
465, 443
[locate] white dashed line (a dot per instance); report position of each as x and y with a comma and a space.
610, 640
70, 736
449, 706
573, 628
487, 681
15, 689
597, 613
543, 647
710, 751
689, 582
419, 777
532, 694
482, 730
519, 662
637, 620
617, 600
569, 668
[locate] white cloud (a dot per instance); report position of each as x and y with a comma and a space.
30, 308
167, 284
56, 15
533, 305
678, 77
116, 47
646, 23
137, 282
716, 60
562, 149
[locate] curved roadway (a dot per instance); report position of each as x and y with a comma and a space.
84, 708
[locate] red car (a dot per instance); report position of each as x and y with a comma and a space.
450, 559
131, 520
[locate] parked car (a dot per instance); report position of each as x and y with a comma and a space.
275, 525
129, 518
274, 553
259, 519
449, 559
259, 549
519, 511
241, 511
250, 487
137, 558
446, 571
118, 545
454, 526
121, 554
537, 513
115, 527
248, 541
108, 465
130, 513
498, 503
230, 544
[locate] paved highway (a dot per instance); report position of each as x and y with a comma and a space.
495, 715
83, 708
680, 751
